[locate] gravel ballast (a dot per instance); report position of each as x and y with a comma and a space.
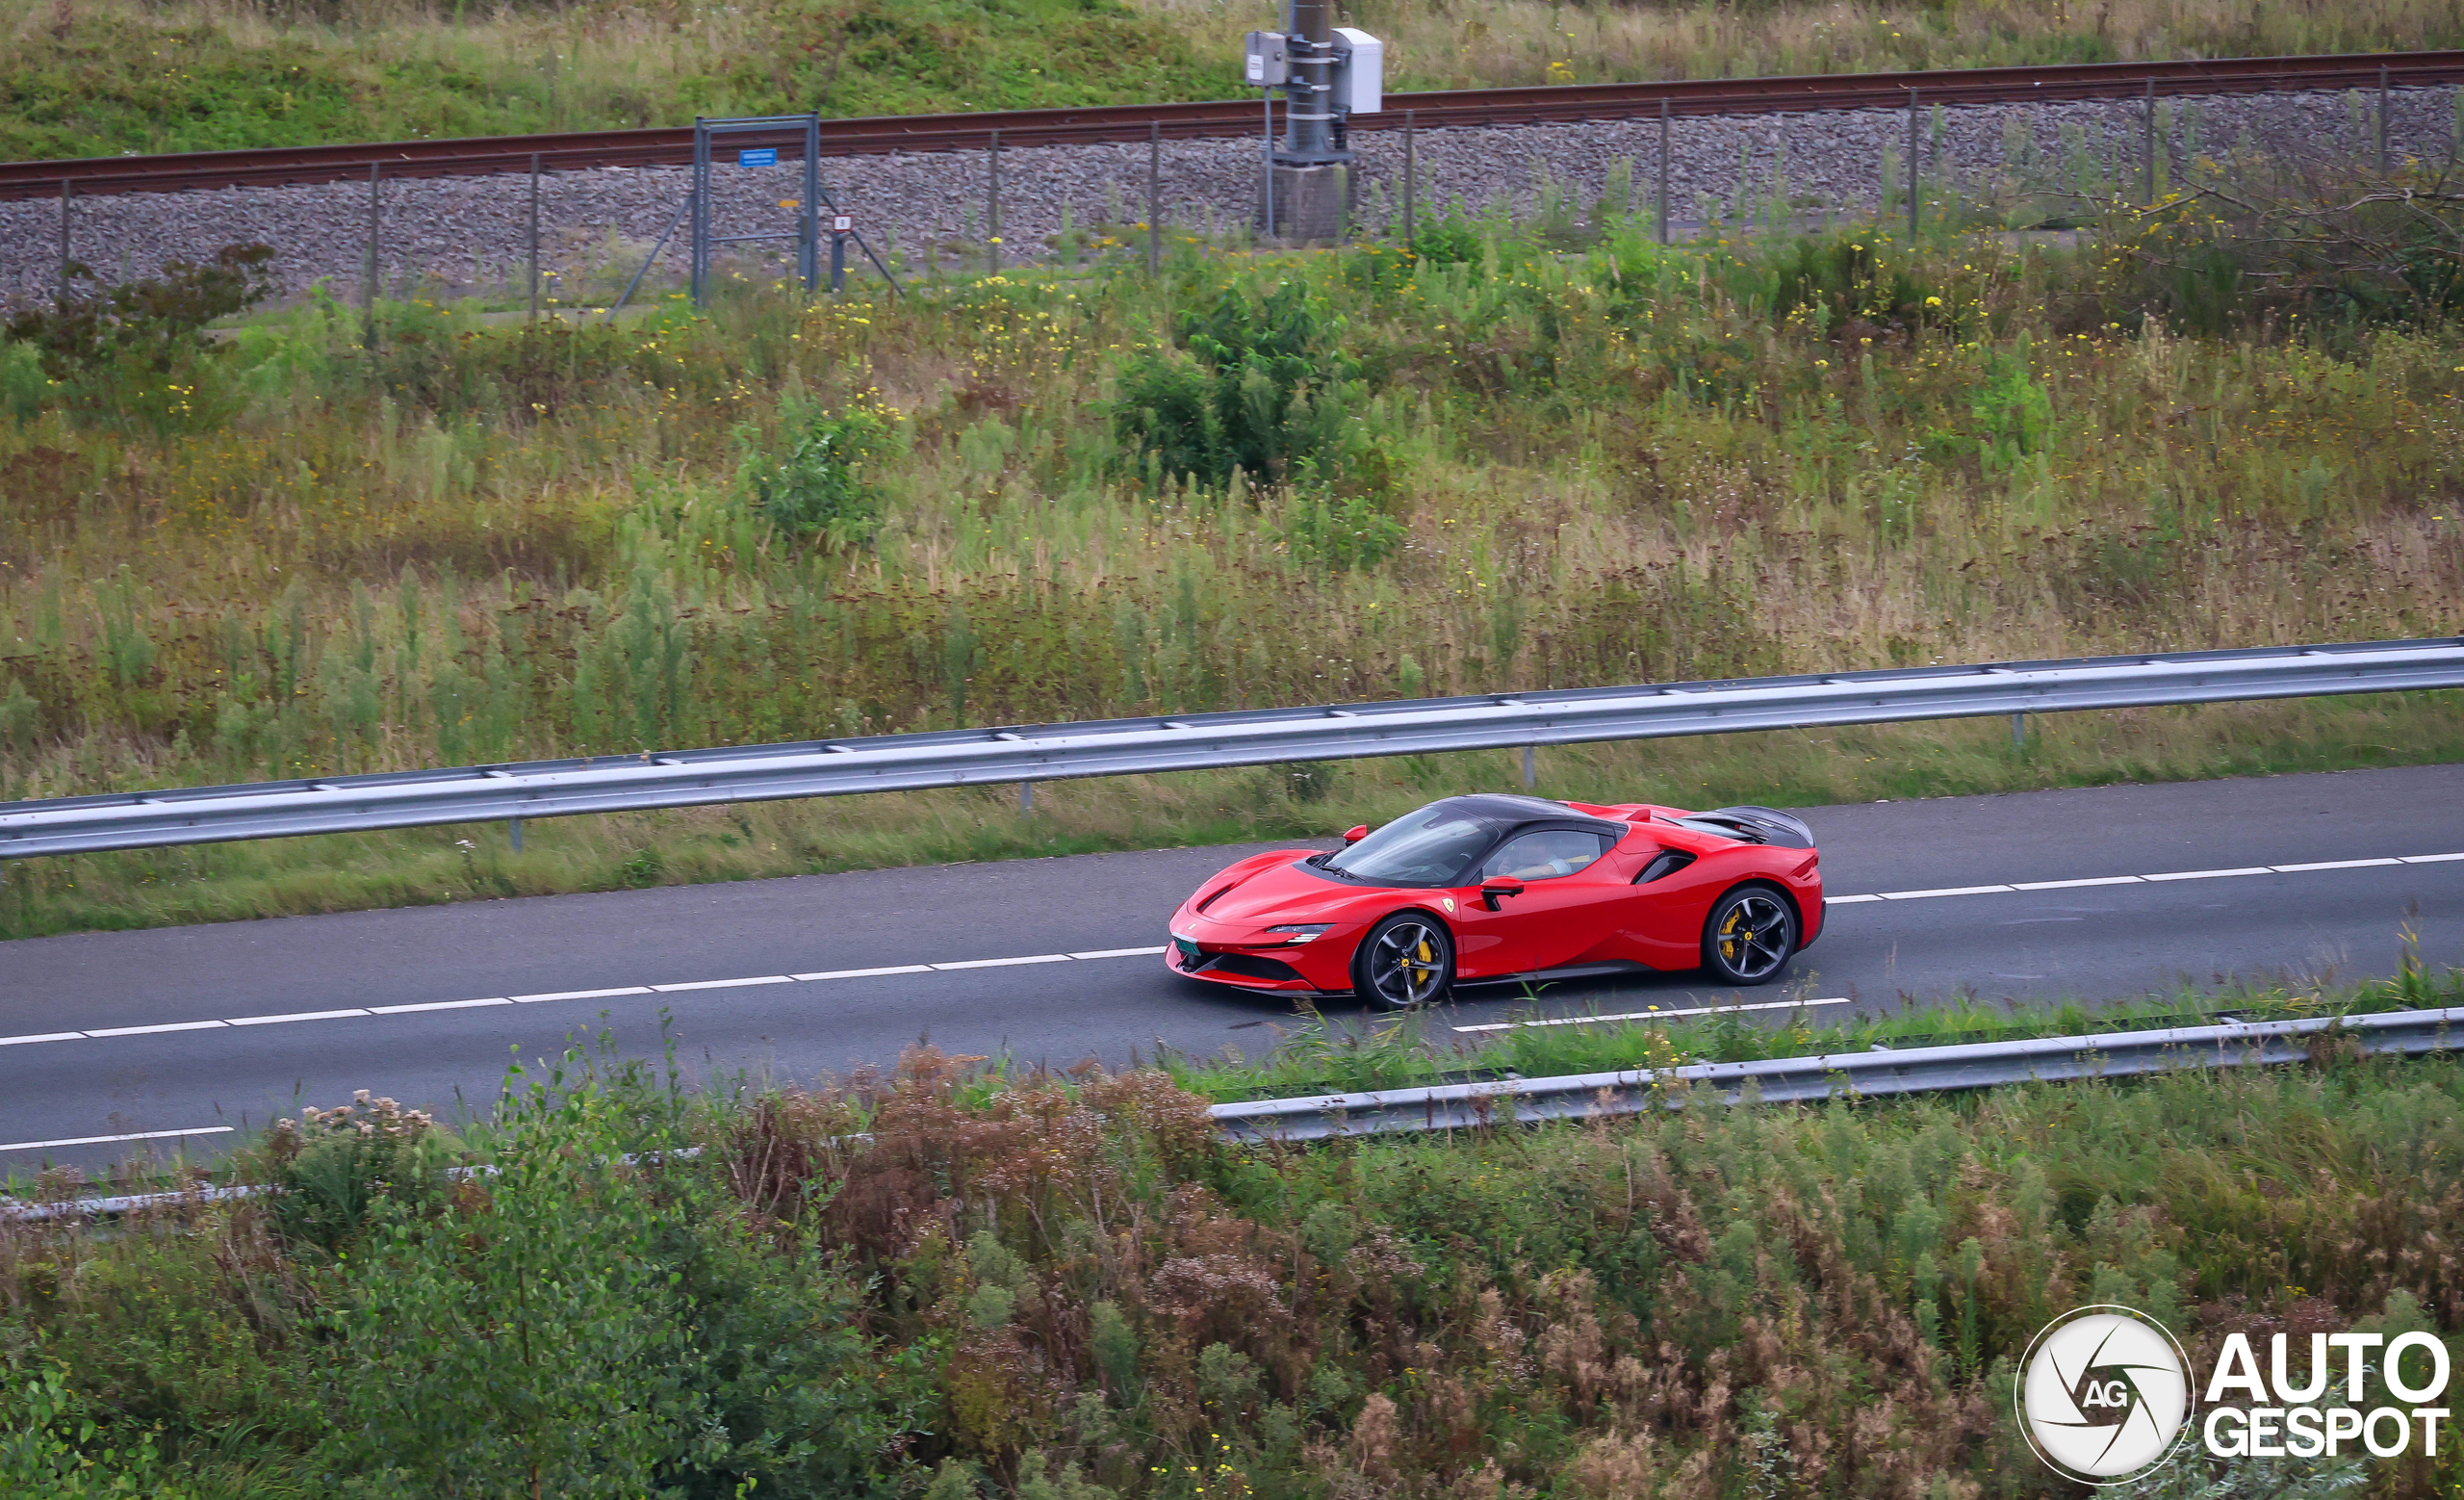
451, 236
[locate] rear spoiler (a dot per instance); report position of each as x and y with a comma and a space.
1760, 825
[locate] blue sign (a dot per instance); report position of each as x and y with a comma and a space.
758, 156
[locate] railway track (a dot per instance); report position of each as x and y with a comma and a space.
1220, 118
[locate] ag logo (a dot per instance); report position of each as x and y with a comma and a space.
2104, 1394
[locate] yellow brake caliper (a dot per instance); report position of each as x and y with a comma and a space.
1730, 944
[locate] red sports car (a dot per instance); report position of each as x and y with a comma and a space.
1483, 887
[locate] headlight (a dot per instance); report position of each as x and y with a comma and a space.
1297, 932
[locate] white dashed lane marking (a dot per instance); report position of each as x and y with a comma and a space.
1096, 954
1654, 1014
108, 1140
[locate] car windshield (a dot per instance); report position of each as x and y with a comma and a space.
1428, 847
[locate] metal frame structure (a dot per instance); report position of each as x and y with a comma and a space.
807, 233
1118, 747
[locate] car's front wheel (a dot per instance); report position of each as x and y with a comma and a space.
1407, 960
1750, 936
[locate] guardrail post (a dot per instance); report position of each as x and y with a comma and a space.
1530, 767
1027, 799
2019, 730
1155, 197
514, 827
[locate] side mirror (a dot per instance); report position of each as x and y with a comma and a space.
1497, 885
1356, 832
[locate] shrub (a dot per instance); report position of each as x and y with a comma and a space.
817, 489
151, 325
1256, 385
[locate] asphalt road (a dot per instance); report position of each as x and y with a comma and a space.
197, 1029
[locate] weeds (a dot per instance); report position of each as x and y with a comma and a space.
947, 1283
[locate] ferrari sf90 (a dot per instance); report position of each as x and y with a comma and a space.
1476, 888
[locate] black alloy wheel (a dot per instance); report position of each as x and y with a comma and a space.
1407, 960
1750, 937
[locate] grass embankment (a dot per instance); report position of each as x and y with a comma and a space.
101, 77
1549, 457
1070, 1289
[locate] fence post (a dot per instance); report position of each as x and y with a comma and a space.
63, 303
2382, 117
2147, 126
1411, 174
1912, 164
808, 223
993, 235
375, 229
1155, 198
1663, 172
534, 306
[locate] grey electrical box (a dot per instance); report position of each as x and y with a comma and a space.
1268, 63
1360, 66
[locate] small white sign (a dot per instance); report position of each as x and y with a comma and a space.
842, 223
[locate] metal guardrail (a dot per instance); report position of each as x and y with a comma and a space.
1456, 1106
1781, 1080
1118, 747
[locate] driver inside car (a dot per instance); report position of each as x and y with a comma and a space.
1544, 855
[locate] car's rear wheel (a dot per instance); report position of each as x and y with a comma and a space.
1407, 960
1750, 937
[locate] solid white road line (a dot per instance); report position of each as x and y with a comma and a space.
106, 1140
1149, 953
866, 973
1656, 1014
1923, 895
297, 1015
722, 984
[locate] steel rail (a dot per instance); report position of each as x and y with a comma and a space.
1871, 1075
1221, 118
1926, 1070
1120, 747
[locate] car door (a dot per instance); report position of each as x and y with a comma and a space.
1558, 916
